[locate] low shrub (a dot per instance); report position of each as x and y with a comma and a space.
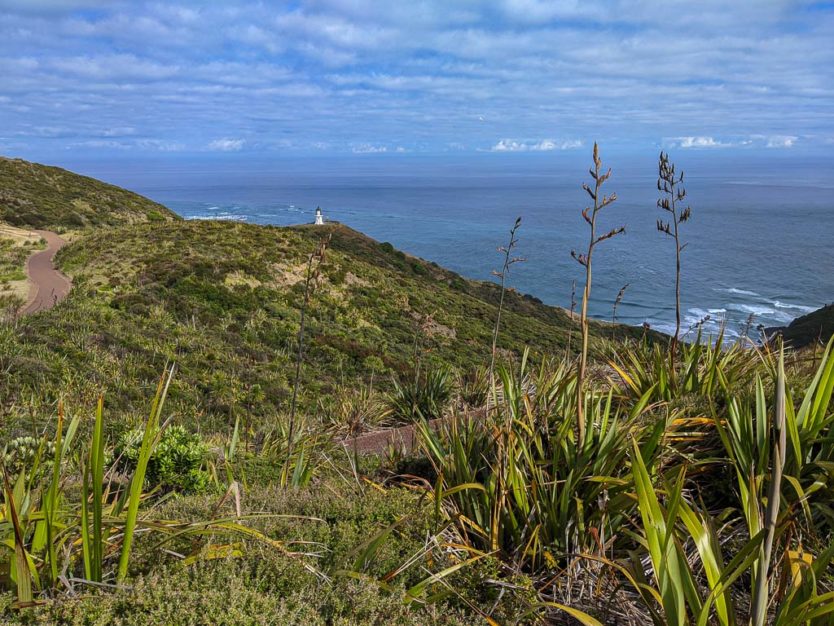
24, 454
177, 463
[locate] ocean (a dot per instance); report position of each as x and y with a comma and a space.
759, 242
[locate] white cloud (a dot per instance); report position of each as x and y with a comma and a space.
545, 10
507, 145
429, 75
698, 142
36, 6
117, 131
367, 148
750, 141
781, 141
114, 67
544, 145
549, 144
227, 144
101, 143
161, 145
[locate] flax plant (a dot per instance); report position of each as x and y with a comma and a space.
153, 428
518, 483
670, 185
572, 312
617, 301
509, 261
93, 485
314, 265
589, 214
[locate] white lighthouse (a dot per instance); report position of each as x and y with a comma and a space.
319, 217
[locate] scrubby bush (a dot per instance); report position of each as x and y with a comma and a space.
176, 463
23, 454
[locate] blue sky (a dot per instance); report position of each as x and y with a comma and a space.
342, 77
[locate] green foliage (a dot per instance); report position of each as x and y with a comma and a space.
227, 593
12, 259
222, 299
350, 411
22, 456
630, 501
523, 491
705, 370
177, 462
473, 387
40, 196
681, 491
48, 531
424, 395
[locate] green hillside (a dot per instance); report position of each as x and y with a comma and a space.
222, 299
41, 196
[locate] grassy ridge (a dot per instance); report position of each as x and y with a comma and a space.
222, 299
41, 196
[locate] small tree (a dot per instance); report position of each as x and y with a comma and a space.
509, 260
672, 192
584, 259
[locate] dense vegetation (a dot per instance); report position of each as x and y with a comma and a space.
41, 196
700, 494
222, 299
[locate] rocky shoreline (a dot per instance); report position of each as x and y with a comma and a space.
817, 326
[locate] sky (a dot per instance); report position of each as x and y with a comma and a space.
395, 77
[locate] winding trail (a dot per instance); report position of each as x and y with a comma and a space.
47, 286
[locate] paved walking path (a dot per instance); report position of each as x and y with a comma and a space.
47, 286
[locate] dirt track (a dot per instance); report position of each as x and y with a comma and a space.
403, 439
47, 286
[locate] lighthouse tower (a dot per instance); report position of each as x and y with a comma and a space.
319, 217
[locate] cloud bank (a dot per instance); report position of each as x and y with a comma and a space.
226, 144
373, 76
545, 145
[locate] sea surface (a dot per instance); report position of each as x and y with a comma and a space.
759, 244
